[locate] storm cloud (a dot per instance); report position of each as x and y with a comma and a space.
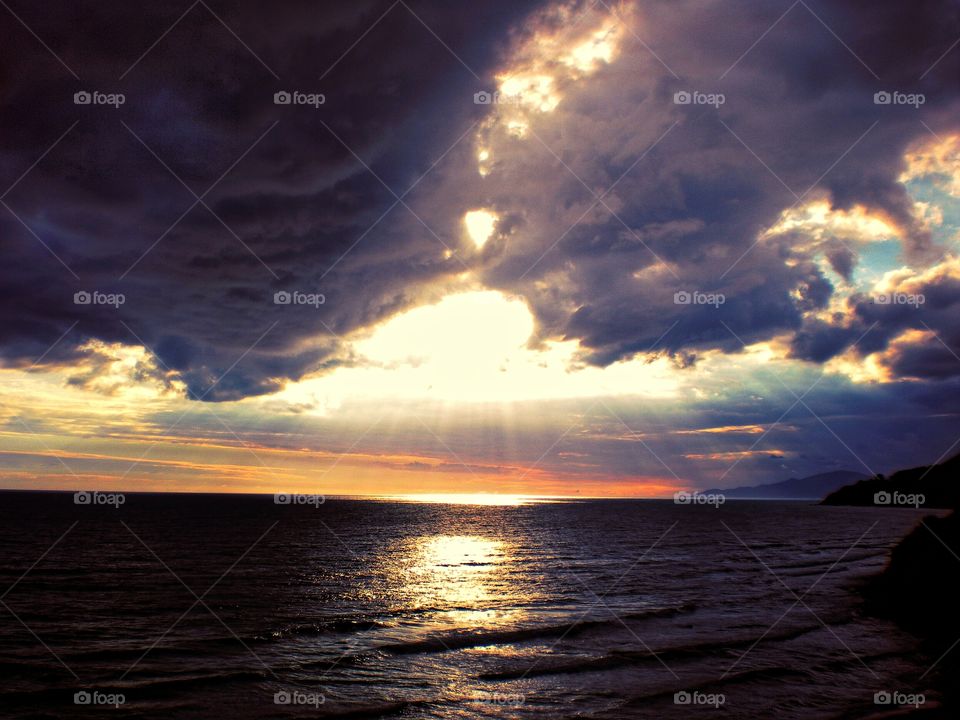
199, 199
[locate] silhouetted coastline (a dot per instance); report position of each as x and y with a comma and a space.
919, 588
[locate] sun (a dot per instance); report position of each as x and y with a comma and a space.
486, 499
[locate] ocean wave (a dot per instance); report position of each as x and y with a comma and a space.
465, 639
618, 659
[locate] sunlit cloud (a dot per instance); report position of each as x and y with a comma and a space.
726, 429
818, 221
736, 455
912, 281
118, 369
599, 48
938, 158
568, 44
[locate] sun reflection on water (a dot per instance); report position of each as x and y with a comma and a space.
458, 569
465, 582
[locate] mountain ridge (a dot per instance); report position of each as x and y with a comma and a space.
812, 487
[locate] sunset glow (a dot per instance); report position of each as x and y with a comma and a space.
583, 293
537, 359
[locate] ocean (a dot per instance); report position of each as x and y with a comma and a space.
225, 606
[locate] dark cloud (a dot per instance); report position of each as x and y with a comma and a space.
927, 358
284, 200
288, 206
842, 260
912, 319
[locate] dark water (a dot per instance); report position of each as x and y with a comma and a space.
599, 609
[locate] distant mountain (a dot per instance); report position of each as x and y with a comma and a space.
933, 486
814, 487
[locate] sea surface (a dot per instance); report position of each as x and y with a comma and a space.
179, 606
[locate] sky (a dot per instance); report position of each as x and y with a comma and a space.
546, 248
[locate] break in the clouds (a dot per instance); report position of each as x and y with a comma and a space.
220, 203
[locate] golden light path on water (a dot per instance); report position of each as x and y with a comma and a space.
459, 570
464, 590
465, 583
464, 575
